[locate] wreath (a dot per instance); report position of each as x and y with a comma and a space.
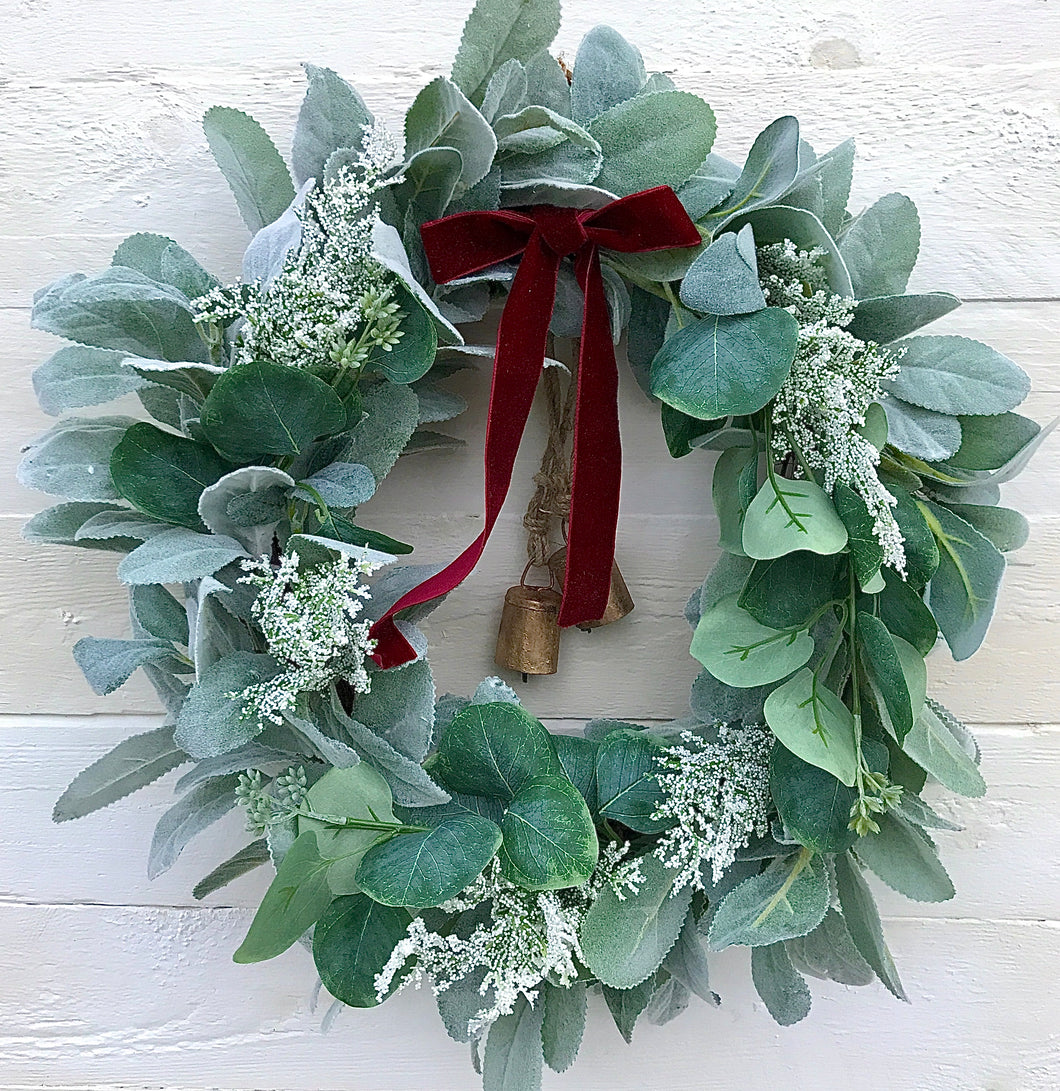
456, 840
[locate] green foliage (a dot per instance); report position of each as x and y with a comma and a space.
77, 376
624, 940
725, 364
72, 459
741, 652
578, 757
792, 591
813, 723
246, 860
652, 140
494, 750
331, 117
626, 785
124, 310
862, 919
108, 664
964, 590
512, 1058
990, 442
887, 318
259, 408
957, 375
165, 261
880, 247
784, 993
253, 168
562, 1024
549, 839
212, 721
724, 278
866, 553
441, 116
885, 669
791, 515
133, 764
932, 745
788, 899
189, 816
607, 71
903, 856
733, 488
627, 1005
829, 953
813, 804
921, 432
423, 869
164, 475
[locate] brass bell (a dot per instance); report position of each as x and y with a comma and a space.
619, 600
528, 640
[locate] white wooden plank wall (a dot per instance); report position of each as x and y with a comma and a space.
108, 981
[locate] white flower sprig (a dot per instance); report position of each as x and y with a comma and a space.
833, 380
309, 620
332, 303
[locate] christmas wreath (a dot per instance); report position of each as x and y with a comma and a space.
456, 840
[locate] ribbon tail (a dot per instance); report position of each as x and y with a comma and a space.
521, 339
597, 460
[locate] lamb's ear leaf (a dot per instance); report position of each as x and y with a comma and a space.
781, 987
880, 246
512, 1058
253, 168
332, 116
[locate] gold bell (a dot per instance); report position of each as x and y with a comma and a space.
528, 640
619, 600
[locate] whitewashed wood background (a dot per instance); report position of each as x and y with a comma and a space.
108, 981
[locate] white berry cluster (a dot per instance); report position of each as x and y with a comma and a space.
309, 620
526, 938
717, 795
332, 303
834, 379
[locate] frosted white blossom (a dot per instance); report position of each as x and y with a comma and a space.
717, 795
332, 303
526, 938
309, 620
834, 378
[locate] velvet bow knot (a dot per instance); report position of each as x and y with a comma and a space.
544, 235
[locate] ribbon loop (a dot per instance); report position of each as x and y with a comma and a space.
544, 235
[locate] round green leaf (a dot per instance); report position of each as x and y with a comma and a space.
260, 408
411, 358
549, 838
813, 723
726, 364
793, 515
740, 652
813, 804
424, 869
351, 944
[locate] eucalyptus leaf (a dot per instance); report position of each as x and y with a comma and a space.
740, 652
352, 942
963, 591
424, 869
813, 804
133, 764
259, 408
164, 475
786, 516
814, 724
885, 668
549, 839
298, 895
725, 364
791, 591
627, 788
992, 442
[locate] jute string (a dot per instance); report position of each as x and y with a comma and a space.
551, 498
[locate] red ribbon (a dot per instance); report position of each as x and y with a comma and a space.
467, 242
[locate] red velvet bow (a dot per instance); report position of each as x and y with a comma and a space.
467, 242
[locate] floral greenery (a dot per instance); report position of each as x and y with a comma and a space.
856, 486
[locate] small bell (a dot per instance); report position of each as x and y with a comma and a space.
528, 640
619, 600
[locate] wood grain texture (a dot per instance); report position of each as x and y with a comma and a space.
108, 981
